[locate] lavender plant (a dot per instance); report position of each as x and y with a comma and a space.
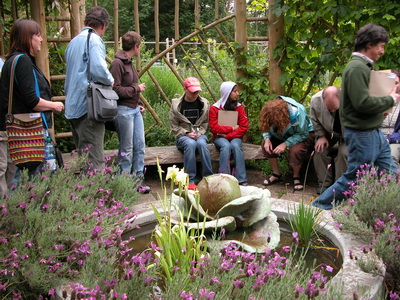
233, 274
66, 228
373, 213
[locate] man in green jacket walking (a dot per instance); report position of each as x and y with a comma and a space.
362, 114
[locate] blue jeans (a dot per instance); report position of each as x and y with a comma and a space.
226, 150
365, 147
189, 147
130, 129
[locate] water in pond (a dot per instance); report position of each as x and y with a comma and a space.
325, 252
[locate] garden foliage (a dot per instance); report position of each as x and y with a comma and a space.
373, 213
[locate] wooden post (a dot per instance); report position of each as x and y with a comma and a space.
240, 36
14, 9
275, 32
196, 14
1, 40
136, 15
65, 24
137, 28
42, 59
78, 12
157, 26
116, 35
216, 10
176, 20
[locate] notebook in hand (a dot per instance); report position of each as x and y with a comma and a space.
227, 118
381, 83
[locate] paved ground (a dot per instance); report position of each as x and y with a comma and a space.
282, 190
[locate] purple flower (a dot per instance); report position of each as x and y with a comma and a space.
45, 207
148, 280
205, 292
186, 296
96, 231
329, 269
238, 284
29, 244
23, 206
214, 280
393, 296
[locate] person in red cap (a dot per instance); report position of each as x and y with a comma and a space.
189, 122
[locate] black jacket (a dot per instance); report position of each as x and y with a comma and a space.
24, 95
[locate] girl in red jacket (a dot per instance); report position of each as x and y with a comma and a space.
228, 138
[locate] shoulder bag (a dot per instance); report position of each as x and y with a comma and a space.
102, 99
25, 131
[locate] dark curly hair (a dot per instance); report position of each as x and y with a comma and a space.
97, 17
274, 114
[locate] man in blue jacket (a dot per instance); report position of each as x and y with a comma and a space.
87, 134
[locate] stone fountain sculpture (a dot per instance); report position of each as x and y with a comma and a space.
244, 212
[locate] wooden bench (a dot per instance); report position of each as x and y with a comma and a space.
171, 155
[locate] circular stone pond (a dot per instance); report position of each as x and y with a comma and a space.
350, 276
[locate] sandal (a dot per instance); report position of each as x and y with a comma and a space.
297, 186
271, 182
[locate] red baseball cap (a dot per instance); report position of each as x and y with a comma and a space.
192, 84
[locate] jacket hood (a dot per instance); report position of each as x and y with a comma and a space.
226, 89
121, 54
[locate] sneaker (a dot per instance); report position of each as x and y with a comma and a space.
192, 186
143, 189
244, 183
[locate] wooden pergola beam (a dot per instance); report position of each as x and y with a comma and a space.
275, 33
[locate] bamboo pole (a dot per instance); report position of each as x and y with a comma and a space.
116, 21
199, 74
224, 39
159, 88
240, 37
157, 26
211, 58
176, 20
151, 110
216, 9
59, 39
181, 41
275, 33
172, 68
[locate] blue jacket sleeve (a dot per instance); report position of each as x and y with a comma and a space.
98, 65
300, 131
